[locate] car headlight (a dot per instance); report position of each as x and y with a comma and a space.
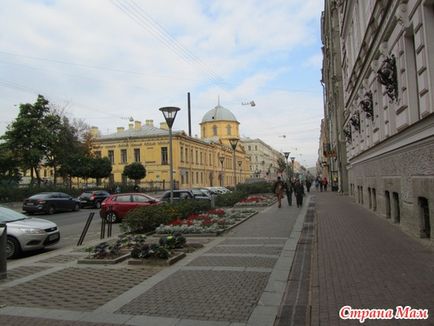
32, 231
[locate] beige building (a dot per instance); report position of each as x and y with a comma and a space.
205, 161
263, 158
385, 55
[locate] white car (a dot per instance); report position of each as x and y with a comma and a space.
26, 233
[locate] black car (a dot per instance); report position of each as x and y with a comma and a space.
184, 194
50, 202
93, 198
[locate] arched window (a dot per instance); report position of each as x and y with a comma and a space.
229, 129
214, 130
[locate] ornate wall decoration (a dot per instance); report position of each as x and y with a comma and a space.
355, 121
387, 76
347, 134
367, 105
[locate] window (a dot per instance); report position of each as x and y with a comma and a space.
374, 199
425, 225
98, 154
123, 156
164, 159
197, 157
186, 155
201, 158
396, 209
186, 177
197, 177
250, 148
388, 210
140, 199
123, 198
136, 154
229, 129
214, 130
182, 154
111, 156
256, 147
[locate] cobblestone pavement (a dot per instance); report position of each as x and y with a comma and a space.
236, 280
23, 271
366, 262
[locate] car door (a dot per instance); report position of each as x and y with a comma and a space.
122, 205
66, 201
140, 200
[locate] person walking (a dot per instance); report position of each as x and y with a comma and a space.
289, 190
325, 183
299, 193
278, 188
308, 184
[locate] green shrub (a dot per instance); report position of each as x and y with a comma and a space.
146, 219
229, 199
255, 188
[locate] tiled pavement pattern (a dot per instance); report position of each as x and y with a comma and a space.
81, 289
234, 261
31, 321
254, 241
365, 262
23, 271
233, 249
202, 295
59, 259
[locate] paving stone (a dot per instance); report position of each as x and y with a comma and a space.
254, 241
59, 259
23, 271
235, 261
7, 320
81, 289
202, 295
269, 250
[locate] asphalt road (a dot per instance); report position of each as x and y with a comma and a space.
71, 225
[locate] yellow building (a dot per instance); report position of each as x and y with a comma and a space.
207, 161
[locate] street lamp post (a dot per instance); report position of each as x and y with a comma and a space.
287, 163
222, 159
292, 165
234, 143
169, 113
239, 165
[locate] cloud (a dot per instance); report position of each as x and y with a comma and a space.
108, 66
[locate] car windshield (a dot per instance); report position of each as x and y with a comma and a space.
86, 195
8, 215
198, 192
41, 196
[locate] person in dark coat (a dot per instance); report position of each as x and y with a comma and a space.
278, 188
299, 193
289, 190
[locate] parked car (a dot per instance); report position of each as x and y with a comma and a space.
201, 194
115, 207
94, 198
218, 190
183, 195
27, 233
50, 202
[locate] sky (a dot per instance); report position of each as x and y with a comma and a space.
105, 61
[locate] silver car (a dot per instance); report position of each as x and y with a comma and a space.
27, 233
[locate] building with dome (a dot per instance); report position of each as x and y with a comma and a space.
197, 162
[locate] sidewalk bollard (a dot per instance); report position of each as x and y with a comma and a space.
86, 228
3, 258
103, 223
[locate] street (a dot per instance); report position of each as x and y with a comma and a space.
71, 225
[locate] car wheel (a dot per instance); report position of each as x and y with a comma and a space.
76, 208
13, 248
98, 205
51, 210
111, 217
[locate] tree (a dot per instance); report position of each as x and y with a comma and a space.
27, 136
101, 167
135, 171
9, 168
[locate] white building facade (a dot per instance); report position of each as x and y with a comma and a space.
387, 64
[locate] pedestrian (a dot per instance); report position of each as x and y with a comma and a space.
299, 193
278, 188
289, 190
325, 183
118, 189
317, 183
308, 184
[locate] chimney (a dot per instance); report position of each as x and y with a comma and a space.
120, 129
94, 131
130, 126
137, 125
164, 126
150, 123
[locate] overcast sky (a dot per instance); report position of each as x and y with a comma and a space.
106, 61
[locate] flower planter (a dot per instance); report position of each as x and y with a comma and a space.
158, 262
105, 261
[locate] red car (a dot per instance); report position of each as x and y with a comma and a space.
115, 207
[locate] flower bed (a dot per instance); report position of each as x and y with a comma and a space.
257, 200
213, 222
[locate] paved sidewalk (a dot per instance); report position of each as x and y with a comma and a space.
364, 261
236, 279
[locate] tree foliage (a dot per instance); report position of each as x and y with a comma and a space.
9, 172
135, 171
